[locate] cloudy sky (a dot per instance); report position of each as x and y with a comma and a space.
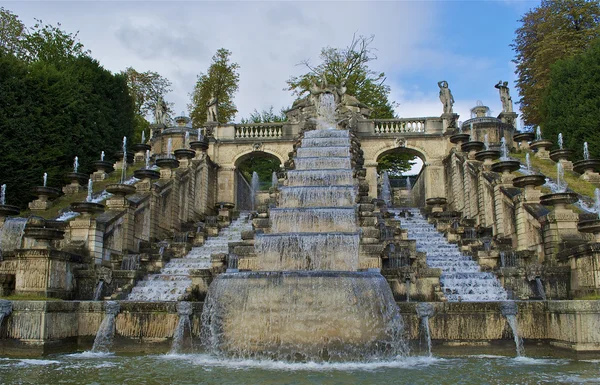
418, 43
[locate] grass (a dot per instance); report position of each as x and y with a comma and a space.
26, 297
548, 168
65, 201
589, 297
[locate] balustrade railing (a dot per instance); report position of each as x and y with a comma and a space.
258, 130
393, 126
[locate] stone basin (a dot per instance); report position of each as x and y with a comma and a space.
541, 144
102, 165
523, 137
44, 233
589, 226
119, 156
87, 207
506, 166
224, 205
6, 210
81, 178
489, 155
529, 180
472, 146
139, 147
199, 145
557, 155
167, 162
184, 153
49, 192
459, 138
145, 173
582, 166
120, 189
558, 199
435, 201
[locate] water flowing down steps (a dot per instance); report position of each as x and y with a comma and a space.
462, 278
174, 279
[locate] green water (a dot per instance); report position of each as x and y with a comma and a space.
87, 368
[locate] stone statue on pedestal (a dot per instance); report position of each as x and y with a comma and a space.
212, 113
160, 111
446, 97
507, 105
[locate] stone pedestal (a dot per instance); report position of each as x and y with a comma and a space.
44, 272
87, 230
541, 148
44, 195
449, 121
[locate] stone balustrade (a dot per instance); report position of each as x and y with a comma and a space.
394, 126
259, 130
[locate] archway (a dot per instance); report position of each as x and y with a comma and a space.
399, 173
249, 197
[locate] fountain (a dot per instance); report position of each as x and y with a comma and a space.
89, 206
255, 187
184, 309
106, 332
167, 162
528, 162
562, 155
5, 310
523, 139
509, 310
184, 154
386, 189
141, 148
487, 156
505, 165
103, 168
540, 146
588, 168
306, 300
44, 194
560, 178
424, 312
592, 225
408, 183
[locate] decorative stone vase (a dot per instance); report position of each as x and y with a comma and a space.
558, 200
541, 148
140, 151
167, 164
45, 195
119, 156
103, 168
436, 204
487, 156
459, 139
8, 210
506, 166
77, 180
43, 236
558, 155
529, 184
472, 147
146, 176
199, 145
120, 189
87, 208
588, 170
523, 138
184, 155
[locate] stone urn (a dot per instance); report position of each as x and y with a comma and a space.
43, 236
145, 174
560, 155
120, 189
184, 155
588, 169
45, 195
119, 157
541, 148
140, 151
103, 166
487, 156
472, 147
87, 208
459, 139
201, 145
558, 200
77, 180
529, 184
167, 162
506, 166
436, 204
523, 139
590, 226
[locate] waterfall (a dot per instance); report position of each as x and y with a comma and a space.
106, 331
184, 309
386, 189
424, 312
5, 310
597, 201
407, 283
326, 111
540, 288
11, 235
98, 290
509, 310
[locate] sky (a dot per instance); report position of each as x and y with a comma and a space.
418, 43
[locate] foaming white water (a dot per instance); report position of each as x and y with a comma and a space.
318, 196
319, 177
309, 152
319, 219
91, 354
462, 278
316, 163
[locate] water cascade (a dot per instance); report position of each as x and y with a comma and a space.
5, 310
45, 179
462, 278
540, 288
386, 189
560, 140
306, 300
408, 183
586, 151
106, 332
503, 149
597, 201
424, 312
184, 310
255, 187
509, 310
76, 164
98, 290
124, 170
3, 194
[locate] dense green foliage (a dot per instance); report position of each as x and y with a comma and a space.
220, 82
395, 163
263, 165
554, 30
57, 103
266, 116
572, 102
350, 66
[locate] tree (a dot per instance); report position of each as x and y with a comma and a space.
219, 82
266, 116
395, 163
572, 102
554, 30
263, 165
12, 32
349, 65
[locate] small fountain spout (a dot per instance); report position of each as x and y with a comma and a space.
540, 288
486, 141
143, 136
98, 290
424, 312
509, 310
124, 171
408, 183
45, 179
102, 156
560, 140
5, 310
106, 332
184, 309
560, 178
528, 162
147, 159
503, 149
586, 151
597, 201
76, 164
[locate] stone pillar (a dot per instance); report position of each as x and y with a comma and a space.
559, 223
86, 229
371, 178
119, 203
226, 184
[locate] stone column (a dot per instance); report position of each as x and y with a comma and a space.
371, 178
121, 203
226, 184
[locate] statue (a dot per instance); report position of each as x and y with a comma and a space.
160, 111
212, 113
446, 97
505, 98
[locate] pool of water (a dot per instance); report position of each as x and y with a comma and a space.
89, 368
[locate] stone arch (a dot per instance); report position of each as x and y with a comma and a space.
244, 154
245, 199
